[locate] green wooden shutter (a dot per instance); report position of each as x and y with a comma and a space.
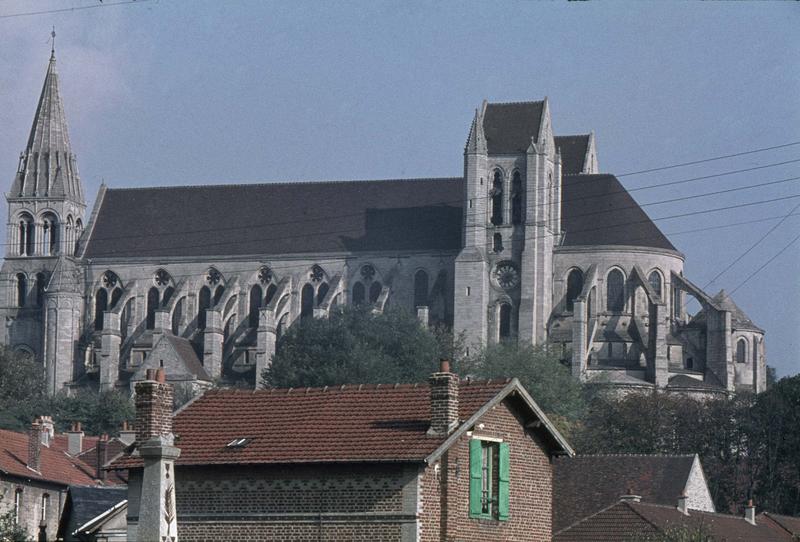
503, 482
475, 475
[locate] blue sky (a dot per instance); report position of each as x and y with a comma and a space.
174, 92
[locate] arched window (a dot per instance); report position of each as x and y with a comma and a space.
741, 351
281, 328
307, 301
375, 291
420, 289
116, 293
322, 291
256, 296
100, 306
497, 198
26, 231
168, 292
41, 283
516, 199
359, 293
574, 288
504, 321
497, 242
271, 290
218, 293
177, 316
203, 304
50, 230
655, 281
152, 304
78, 233
22, 289
69, 235
615, 291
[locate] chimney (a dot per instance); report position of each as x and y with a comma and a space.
154, 439
444, 400
153, 406
102, 456
34, 445
630, 496
75, 439
683, 504
750, 512
127, 435
48, 430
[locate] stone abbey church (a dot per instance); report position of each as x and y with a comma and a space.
532, 243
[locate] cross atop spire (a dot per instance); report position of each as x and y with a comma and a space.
53, 44
47, 167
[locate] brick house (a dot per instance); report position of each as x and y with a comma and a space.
445, 460
35, 474
586, 484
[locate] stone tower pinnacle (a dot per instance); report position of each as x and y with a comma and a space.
47, 167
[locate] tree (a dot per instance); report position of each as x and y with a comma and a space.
355, 346
21, 388
539, 370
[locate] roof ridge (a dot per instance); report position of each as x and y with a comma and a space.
283, 183
522, 102
691, 510
633, 455
381, 386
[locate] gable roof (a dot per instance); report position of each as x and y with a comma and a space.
509, 127
84, 504
788, 523
278, 218
351, 423
56, 465
573, 152
628, 520
597, 210
585, 484
188, 367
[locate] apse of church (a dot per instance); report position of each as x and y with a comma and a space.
531, 244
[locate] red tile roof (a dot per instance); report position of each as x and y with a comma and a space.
55, 464
351, 423
629, 520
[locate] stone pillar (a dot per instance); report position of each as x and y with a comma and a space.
109, 350
265, 345
660, 363
213, 337
61, 331
157, 519
580, 333
423, 316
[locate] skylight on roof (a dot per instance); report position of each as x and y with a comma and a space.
238, 443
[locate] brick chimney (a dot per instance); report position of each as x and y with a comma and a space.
75, 439
102, 456
35, 445
683, 504
444, 400
153, 406
157, 519
750, 512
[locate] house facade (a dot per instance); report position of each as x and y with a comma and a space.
530, 243
446, 460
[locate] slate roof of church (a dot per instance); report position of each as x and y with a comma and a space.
55, 465
337, 424
509, 127
597, 210
634, 521
585, 484
739, 319
279, 218
573, 152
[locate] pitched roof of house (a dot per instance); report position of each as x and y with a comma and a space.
628, 520
573, 152
278, 218
509, 127
55, 464
351, 423
789, 523
597, 210
585, 484
86, 503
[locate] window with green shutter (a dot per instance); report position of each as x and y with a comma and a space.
489, 476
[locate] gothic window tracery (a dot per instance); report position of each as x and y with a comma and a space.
741, 350
26, 234
615, 291
106, 297
496, 194
265, 275
574, 288
50, 231
316, 274
505, 275
655, 281
307, 301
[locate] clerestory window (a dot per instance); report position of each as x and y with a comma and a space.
489, 478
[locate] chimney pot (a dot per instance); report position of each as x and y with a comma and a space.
444, 365
630, 497
150, 374
161, 376
75, 439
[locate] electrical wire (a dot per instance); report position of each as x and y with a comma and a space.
77, 8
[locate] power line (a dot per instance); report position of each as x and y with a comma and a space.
754, 245
78, 8
754, 273
704, 160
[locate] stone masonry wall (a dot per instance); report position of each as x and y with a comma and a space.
31, 505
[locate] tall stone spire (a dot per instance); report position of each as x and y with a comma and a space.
47, 167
